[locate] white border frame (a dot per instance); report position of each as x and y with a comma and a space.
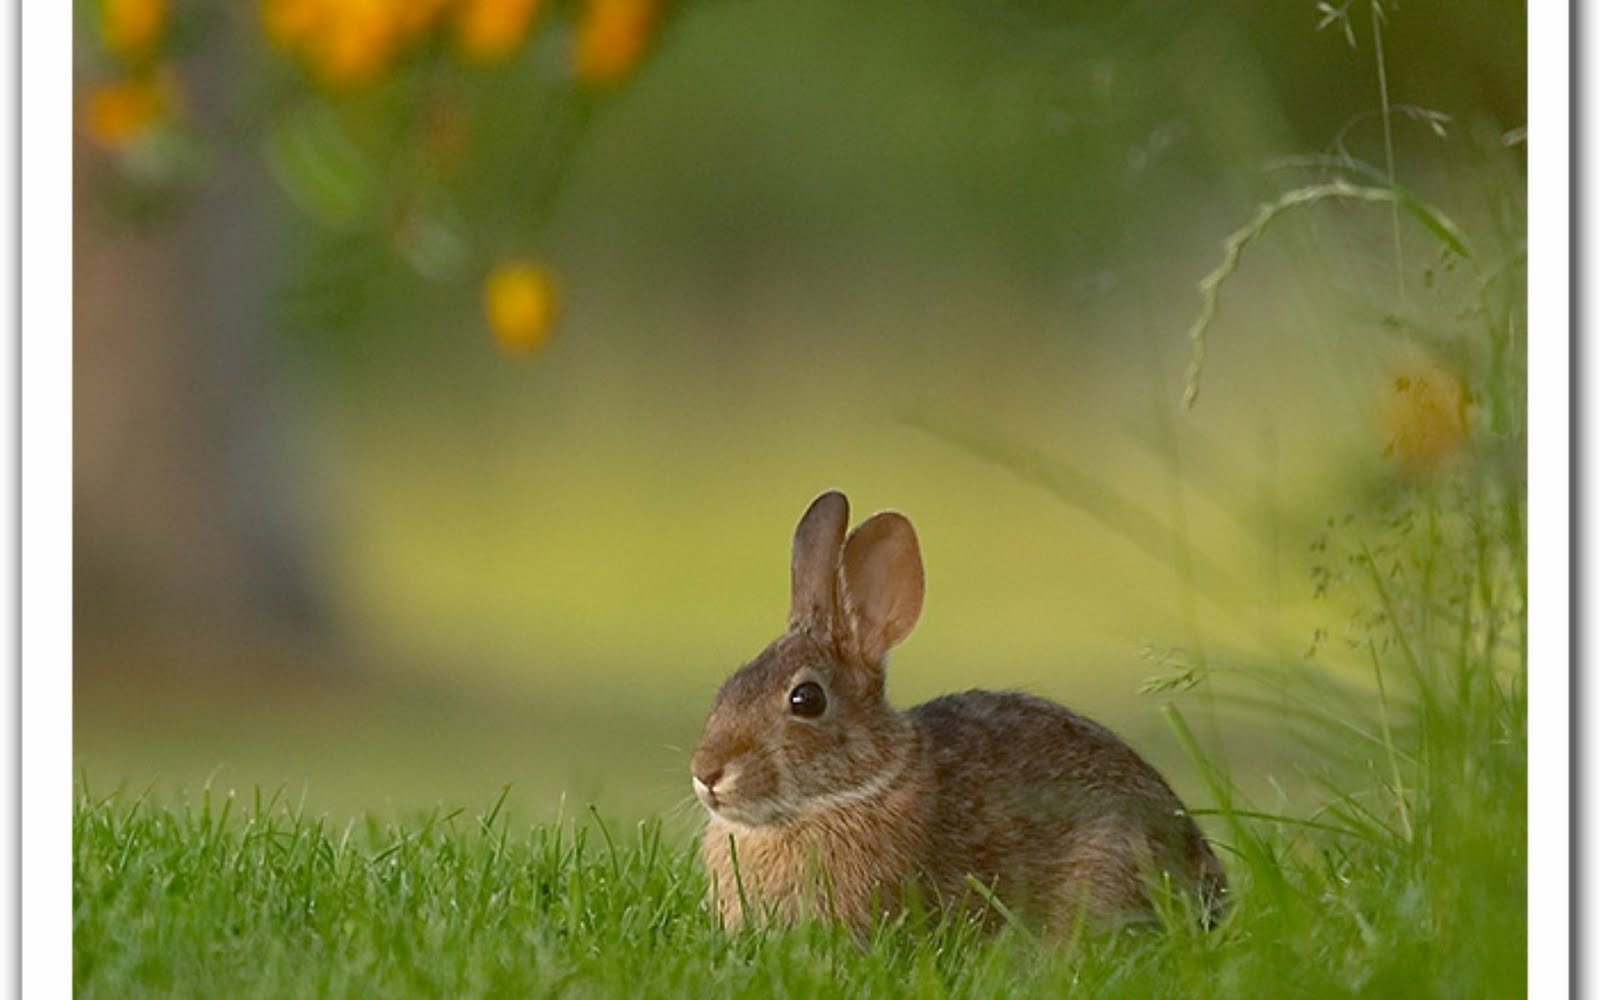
44, 261
45, 55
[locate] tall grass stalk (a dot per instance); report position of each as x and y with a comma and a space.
1376, 10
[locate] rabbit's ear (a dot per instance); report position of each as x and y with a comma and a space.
814, 567
882, 583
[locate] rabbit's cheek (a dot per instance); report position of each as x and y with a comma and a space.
819, 762
805, 767
750, 789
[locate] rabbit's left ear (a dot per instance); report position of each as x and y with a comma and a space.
881, 578
814, 564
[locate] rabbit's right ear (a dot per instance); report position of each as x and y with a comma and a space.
881, 570
814, 567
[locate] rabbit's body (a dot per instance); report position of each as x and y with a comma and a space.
1077, 823
825, 801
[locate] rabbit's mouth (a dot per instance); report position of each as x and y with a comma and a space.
720, 800
723, 805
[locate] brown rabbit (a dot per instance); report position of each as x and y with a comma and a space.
825, 801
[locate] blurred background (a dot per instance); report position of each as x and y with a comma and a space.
449, 376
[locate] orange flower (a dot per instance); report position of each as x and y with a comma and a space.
345, 42
354, 42
119, 113
1424, 414
489, 31
131, 29
612, 37
521, 303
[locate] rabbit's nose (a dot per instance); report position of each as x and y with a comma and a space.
705, 787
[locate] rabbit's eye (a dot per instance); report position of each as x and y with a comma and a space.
807, 700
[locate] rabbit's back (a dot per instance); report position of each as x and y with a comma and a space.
1051, 811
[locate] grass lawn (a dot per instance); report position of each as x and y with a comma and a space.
250, 897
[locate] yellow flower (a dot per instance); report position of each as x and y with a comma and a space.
131, 29
119, 113
612, 36
521, 303
1424, 414
489, 31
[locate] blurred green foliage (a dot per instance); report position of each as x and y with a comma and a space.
800, 235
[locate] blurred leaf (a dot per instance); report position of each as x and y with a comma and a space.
320, 165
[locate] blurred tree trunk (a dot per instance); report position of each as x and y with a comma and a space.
187, 507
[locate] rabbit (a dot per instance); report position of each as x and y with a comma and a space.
824, 801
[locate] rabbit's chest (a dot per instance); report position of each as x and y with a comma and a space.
845, 866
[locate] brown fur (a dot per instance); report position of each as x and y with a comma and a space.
839, 815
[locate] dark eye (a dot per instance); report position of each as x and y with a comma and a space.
807, 700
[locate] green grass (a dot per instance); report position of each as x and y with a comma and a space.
250, 898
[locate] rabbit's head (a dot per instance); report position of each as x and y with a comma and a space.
805, 726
